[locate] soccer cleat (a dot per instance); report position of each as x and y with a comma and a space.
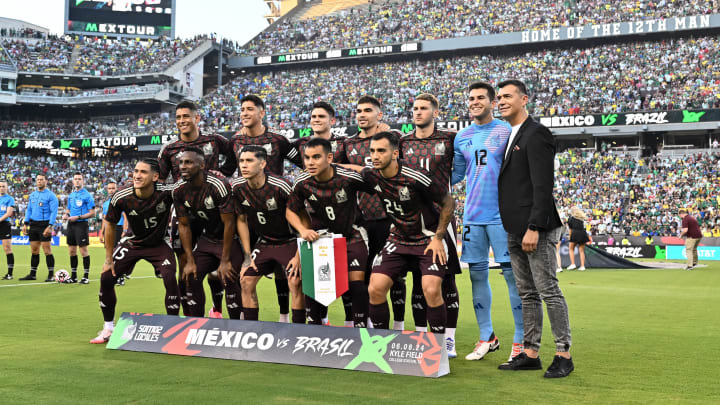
581, 268
29, 277
102, 337
450, 346
571, 267
483, 347
516, 350
522, 362
50, 279
70, 281
7, 277
212, 313
84, 281
120, 281
560, 367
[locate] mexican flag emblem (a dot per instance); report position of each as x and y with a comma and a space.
324, 268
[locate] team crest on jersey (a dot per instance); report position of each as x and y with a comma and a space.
271, 204
440, 148
341, 196
209, 203
268, 148
404, 194
161, 208
333, 146
79, 203
207, 149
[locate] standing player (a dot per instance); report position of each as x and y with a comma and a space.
203, 202
81, 206
121, 227
330, 191
374, 220
7, 209
431, 149
218, 156
147, 205
408, 196
39, 221
252, 112
260, 202
479, 152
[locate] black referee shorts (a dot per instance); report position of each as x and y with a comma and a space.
36, 231
78, 234
5, 230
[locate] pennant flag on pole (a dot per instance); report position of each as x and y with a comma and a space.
324, 268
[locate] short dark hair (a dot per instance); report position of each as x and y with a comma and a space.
325, 106
370, 100
256, 150
153, 163
483, 85
78, 174
515, 82
187, 104
253, 99
111, 181
40, 174
392, 138
319, 142
195, 149
429, 98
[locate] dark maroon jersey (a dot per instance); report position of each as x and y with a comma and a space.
433, 154
277, 146
204, 205
357, 152
334, 203
216, 148
408, 199
265, 208
336, 143
148, 218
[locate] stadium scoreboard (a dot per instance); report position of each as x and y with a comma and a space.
120, 18
358, 52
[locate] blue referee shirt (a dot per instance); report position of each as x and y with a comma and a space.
80, 203
106, 204
5, 202
43, 206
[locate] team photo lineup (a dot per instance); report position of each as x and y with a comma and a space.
325, 201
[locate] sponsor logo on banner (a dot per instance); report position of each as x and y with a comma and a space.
634, 252
677, 252
420, 354
25, 240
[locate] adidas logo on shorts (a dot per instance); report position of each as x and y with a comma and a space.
166, 263
355, 263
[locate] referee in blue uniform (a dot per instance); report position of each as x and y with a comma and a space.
39, 221
7, 210
80, 207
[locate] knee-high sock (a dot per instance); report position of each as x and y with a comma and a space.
73, 266
398, 292
34, 263
380, 315
50, 262
217, 291
315, 313
360, 301
452, 300
347, 306
283, 294
86, 266
437, 318
107, 296
515, 302
298, 316
482, 298
10, 263
182, 288
233, 300
172, 291
251, 314
418, 301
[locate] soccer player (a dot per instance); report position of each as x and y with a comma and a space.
147, 205
431, 149
408, 196
81, 206
203, 202
330, 191
260, 203
7, 209
252, 112
121, 227
218, 157
479, 152
40, 218
374, 220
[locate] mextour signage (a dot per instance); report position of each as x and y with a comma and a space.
421, 354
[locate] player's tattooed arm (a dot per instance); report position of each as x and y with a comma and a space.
225, 269
301, 222
436, 245
185, 232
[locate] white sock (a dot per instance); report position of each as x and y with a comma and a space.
109, 325
421, 329
325, 320
242, 316
284, 318
349, 324
398, 325
369, 324
450, 333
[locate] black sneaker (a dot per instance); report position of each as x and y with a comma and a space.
7, 277
29, 277
560, 367
70, 281
120, 281
84, 281
522, 362
50, 279
688, 268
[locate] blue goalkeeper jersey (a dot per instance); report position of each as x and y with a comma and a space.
479, 151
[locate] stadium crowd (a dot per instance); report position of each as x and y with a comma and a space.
146, 124
392, 21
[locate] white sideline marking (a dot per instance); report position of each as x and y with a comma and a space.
54, 283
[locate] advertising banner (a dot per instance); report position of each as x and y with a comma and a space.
597, 257
421, 354
677, 252
25, 240
636, 252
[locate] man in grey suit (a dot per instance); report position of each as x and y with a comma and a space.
528, 213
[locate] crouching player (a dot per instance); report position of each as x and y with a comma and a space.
147, 206
260, 202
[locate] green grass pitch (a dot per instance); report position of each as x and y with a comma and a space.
638, 337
